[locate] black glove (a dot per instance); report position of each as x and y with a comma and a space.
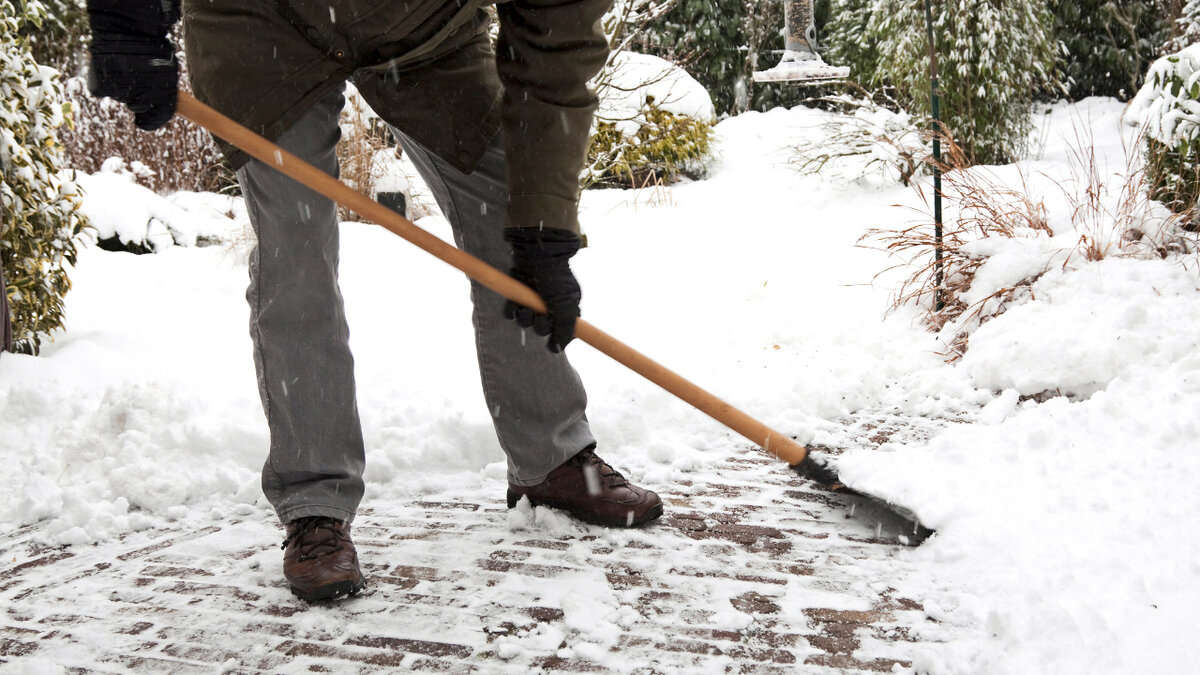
132, 59
540, 261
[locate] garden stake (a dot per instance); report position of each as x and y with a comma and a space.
935, 105
882, 515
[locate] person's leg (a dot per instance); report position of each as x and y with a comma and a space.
301, 348
536, 398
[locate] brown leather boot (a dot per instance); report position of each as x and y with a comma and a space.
319, 560
592, 491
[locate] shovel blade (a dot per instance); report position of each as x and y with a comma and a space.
889, 522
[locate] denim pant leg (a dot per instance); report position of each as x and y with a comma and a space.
536, 398
298, 326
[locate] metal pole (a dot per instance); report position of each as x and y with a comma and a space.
6, 330
935, 102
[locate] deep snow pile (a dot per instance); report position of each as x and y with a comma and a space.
636, 81
1066, 527
1065, 538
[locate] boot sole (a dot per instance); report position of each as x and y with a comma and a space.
652, 513
338, 589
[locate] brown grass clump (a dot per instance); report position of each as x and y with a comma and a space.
180, 156
982, 206
1110, 230
363, 136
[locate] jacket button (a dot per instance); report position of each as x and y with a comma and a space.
464, 156
339, 54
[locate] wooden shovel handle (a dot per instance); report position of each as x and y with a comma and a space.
267, 152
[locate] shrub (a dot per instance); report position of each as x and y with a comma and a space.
1107, 44
179, 156
1168, 106
654, 124
993, 56
60, 41
41, 220
664, 146
1186, 30
851, 42
861, 137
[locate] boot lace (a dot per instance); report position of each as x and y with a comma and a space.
587, 459
332, 540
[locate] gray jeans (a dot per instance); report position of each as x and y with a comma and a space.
300, 335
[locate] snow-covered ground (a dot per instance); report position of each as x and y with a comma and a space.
1066, 524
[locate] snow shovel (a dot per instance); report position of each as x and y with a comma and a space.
890, 521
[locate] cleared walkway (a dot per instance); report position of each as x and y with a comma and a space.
759, 573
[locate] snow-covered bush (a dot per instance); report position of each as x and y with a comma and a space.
1107, 44
40, 204
852, 44
1168, 106
663, 146
993, 57
862, 138
654, 120
1187, 27
127, 216
61, 40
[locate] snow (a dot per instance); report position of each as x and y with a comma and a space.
116, 206
1115, 319
1009, 262
1058, 458
634, 78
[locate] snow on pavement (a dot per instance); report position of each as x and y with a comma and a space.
1065, 541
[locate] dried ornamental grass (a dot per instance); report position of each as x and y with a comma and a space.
364, 135
984, 210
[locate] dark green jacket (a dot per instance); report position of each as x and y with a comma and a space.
426, 66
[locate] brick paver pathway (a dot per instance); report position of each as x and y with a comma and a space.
454, 589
